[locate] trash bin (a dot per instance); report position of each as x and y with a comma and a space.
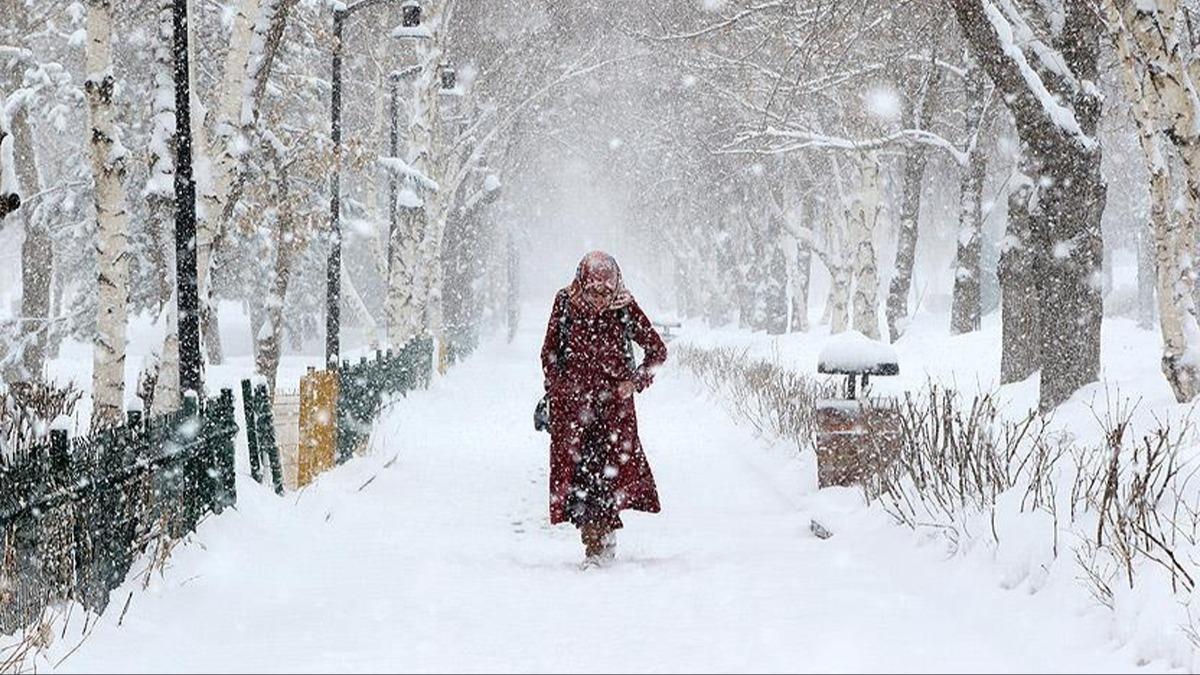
858, 435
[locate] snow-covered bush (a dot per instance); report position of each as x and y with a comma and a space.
773, 399
1119, 519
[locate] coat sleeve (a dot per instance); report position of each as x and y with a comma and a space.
651, 343
551, 342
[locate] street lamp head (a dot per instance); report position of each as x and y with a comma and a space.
410, 22
411, 14
449, 76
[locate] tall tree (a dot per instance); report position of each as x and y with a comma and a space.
108, 158
916, 157
1051, 91
1159, 69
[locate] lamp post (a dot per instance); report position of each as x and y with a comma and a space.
186, 296
333, 276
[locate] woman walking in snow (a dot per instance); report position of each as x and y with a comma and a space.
597, 467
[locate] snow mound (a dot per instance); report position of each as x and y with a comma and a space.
853, 352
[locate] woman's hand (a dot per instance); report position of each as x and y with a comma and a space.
625, 389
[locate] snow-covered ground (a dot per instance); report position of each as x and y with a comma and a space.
434, 553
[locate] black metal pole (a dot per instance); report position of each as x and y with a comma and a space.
393, 182
187, 297
333, 290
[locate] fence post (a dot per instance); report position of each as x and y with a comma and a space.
185, 435
251, 431
344, 412
59, 448
225, 431
266, 435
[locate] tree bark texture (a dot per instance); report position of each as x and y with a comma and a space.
108, 170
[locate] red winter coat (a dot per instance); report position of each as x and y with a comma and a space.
583, 394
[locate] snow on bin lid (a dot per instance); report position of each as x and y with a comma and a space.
852, 353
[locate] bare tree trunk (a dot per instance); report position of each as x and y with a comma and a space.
1066, 157
801, 275
906, 244
108, 158
915, 160
1020, 344
966, 309
37, 253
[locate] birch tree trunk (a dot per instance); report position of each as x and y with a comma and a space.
866, 272
159, 192
37, 253
414, 302
160, 198
776, 291
166, 388
405, 320
1156, 78
1146, 278
801, 275
108, 169
224, 151
838, 305
269, 339
10, 198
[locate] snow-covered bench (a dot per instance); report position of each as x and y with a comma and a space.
664, 329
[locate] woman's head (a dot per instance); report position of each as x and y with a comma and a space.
598, 284
599, 278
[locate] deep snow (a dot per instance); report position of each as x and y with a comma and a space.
443, 560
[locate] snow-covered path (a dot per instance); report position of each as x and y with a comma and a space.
443, 560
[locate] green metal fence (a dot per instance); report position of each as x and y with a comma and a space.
363, 387
75, 513
260, 434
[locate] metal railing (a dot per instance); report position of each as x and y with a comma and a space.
75, 513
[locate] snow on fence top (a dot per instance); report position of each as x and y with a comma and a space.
851, 352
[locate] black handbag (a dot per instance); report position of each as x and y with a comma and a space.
541, 414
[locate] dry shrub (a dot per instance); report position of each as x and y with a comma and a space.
772, 399
955, 459
1131, 511
27, 409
